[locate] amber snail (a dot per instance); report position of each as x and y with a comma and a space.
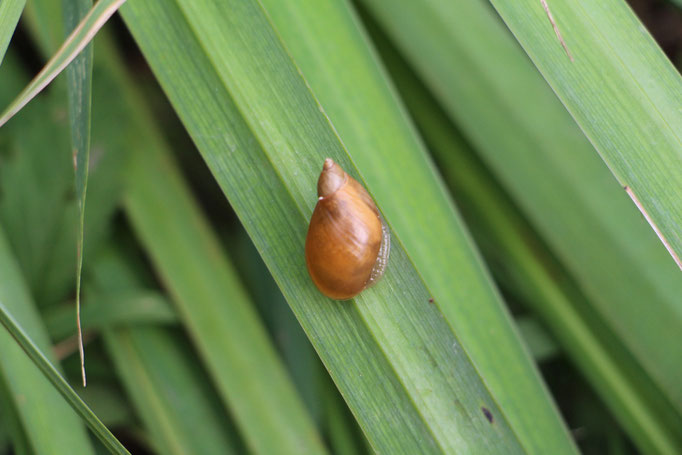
347, 246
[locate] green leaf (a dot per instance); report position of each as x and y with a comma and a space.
623, 92
10, 11
73, 45
390, 352
527, 269
521, 131
79, 88
50, 426
159, 376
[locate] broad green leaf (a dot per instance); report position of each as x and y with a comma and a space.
159, 376
503, 107
10, 11
51, 427
73, 45
211, 302
527, 269
623, 92
349, 84
393, 356
79, 89
115, 309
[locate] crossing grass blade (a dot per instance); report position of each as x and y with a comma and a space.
480, 76
623, 92
114, 309
79, 89
34, 395
10, 11
58, 382
73, 45
264, 137
526, 269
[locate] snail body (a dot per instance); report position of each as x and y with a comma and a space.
348, 243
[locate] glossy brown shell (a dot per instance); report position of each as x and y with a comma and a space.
347, 244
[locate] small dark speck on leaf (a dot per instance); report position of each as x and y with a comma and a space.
431, 300
488, 415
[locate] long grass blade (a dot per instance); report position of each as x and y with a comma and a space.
10, 11
73, 45
623, 92
79, 89
471, 64
390, 351
39, 401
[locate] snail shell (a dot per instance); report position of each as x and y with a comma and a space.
347, 245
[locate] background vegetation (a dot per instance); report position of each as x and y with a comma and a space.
528, 307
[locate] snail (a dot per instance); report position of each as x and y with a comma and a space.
347, 246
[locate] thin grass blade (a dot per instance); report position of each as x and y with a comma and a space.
79, 89
10, 11
36, 399
91, 420
74, 44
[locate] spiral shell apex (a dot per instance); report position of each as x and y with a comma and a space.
348, 243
